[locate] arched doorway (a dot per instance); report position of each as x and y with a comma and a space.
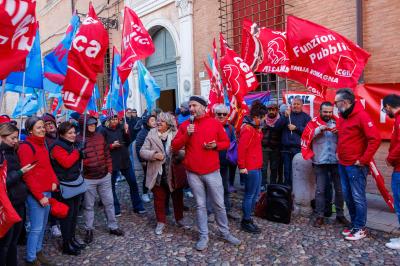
162, 66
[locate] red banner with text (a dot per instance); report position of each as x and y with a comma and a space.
370, 95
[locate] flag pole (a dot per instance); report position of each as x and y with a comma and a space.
83, 134
123, 103
22, 110
3, 87
277, 90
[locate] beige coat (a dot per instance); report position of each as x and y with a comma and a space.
151, 146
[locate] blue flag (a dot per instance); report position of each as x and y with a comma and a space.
27, 106
115, 99
92, 105
33, 72
147, 85
55, 63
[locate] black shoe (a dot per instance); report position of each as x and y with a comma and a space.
143, 211
342, 220
319, 221
250, 227
76, 244
117, 232
89, 236
69, 249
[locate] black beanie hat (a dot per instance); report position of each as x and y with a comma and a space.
199, 99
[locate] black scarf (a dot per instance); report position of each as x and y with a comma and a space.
347, 112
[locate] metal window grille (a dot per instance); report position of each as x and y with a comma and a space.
266, 13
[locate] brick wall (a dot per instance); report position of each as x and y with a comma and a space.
205, 28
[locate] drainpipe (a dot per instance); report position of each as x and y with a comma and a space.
359, 30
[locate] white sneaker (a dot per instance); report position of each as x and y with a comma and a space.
393, 245
55, 231
395, 239
159, 228
356, 234
146, 198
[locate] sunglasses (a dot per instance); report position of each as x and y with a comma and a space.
222, 114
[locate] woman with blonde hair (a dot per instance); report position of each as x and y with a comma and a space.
156, 150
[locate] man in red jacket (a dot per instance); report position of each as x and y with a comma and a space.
391, 106
358, 140
203, 137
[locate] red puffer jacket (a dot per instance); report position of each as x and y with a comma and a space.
97, 161
198, 159
394, 149
42, 176
358, 137
250, 148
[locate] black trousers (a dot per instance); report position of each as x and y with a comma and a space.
8, 243
68, 224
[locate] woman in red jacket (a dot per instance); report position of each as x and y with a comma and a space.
41, 181
250, 162
66, 161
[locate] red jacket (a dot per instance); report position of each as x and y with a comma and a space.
394, 149
358, 137
198, 159
250, 148
42, 176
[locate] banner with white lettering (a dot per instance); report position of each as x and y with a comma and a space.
322, 55
85, 60
17, 33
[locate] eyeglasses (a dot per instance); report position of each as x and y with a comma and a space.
222, 114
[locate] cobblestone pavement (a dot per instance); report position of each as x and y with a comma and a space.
297, 243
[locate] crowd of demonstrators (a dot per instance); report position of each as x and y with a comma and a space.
203, 137
391, 106
97, 170
149, 122
156, 150
41, 180
118, 138
53, 159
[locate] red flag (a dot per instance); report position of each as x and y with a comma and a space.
322, 55
237, 76
213, 97
136, 43
238, 79
8, 215
17, 33
263, 49
85, 60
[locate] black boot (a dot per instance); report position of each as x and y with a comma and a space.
69, 249
76, 244
89, 236
250, 227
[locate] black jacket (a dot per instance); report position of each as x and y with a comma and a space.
140, 138
16, 188
120, 156
292, 141
132, 123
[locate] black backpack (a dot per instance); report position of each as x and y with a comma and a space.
279, 203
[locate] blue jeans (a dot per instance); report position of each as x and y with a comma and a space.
252, 186
287, 158
396, 192
353, 185
130, 177
38, 216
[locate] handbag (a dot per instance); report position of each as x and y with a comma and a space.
232, 152
73, 188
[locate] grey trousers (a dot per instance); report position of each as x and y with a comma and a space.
102, 187
209, 185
